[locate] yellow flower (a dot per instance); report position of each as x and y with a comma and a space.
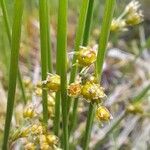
29, 112
52, 82
91, 91
133, 6
86, 56
52, 140
30, 146
74, 89
102, 114
134, 18
135, 109
118, 25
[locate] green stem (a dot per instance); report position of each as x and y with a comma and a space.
44, 50
8, 30
85, 42
88, 22
105, 31
78, 41
16, 35
91, 114
61, 50
49, 48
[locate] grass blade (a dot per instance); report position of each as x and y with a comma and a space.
105, 31
61, 50
85, 42
8, 30
44, 52
16, 35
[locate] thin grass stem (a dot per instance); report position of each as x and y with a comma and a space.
85, 42
44, 52
105, 31
61, 50
15, 46
8, 31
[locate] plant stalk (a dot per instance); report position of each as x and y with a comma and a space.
61, 50
105, 31
44, 52
15, 46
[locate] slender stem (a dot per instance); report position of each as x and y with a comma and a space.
16, 35
79, 36
105, 31
61, 49
91, 114
49, 48
44, 50
57, 114
139, 97
78, 41
85, 42
8, 30
88, 22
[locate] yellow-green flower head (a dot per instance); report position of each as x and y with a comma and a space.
134, 18
91, 91
44, 146
52, 140
29, 112
52, 82
135, 109
74, 89
30, 146
118, 25
133, 6
86, 56
103, 114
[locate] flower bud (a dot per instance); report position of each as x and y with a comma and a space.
74, 89
30, 146
102, 114
52, 82
29, 112
118, 25
135, 109
91, 91
86, 56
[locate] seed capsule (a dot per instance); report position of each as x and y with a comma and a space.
102, 114
91, 91
52, 82
30, 146
74, 89
118, 25
134, 18
29, 112
86, 56
135, 109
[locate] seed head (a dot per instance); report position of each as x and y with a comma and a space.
30, 146
29, 112
133, 6
134, 18
91, 91
52, 82
102, 114
118, 25
52, 139
74, 89
86, 56
135, 109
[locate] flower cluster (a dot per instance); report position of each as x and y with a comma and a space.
34, 134
131, 16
